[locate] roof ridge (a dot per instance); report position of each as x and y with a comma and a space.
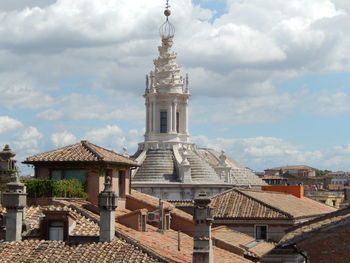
326, 216
306, 234
108, 150
86, 145
261, 202
58, 149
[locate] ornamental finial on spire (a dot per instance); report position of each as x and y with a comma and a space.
167, 29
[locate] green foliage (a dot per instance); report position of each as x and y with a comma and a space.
322, 172
38, 187
52, 188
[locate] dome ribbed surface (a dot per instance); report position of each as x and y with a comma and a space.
157, 167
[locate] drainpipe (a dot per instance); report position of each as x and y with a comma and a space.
130, 172
300, 252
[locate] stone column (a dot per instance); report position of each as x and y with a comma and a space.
107, 202
202, 245
186, 117
170, 118
154, 118
147, 116
174, 116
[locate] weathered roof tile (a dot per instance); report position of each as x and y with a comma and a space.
83, 151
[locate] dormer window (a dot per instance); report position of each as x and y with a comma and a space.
56, 230
56, 224
261, 232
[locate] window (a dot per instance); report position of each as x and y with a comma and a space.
56, 230
177, 121
163, 122
67, 174
121, 185
261, 232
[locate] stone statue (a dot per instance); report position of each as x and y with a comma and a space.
147, 82
222, 159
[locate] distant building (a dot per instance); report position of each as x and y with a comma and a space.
265, 215
172, 167
296, 170
274, 179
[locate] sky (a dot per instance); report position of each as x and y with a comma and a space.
269, 80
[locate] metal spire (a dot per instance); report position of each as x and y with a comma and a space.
167, 29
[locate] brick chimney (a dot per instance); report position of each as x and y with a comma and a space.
14, 199
107, 202
202, 245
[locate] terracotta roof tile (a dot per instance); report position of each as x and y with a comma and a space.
244, 203
166, 244
287, 203
235, 204
317, 225
243, 241
59, 252
154, 202
83, 151
84, 226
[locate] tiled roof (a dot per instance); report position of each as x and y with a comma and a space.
154, 202
58, 252
181, 203
254, 204
240, 240
165, 245
235, 204
315, 226
83, 151
84, 226
287, 203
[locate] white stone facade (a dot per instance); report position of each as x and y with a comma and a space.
166, 99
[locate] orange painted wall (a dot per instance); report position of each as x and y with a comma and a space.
296, 190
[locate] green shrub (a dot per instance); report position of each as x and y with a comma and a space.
38, 187
51, 188
68, 188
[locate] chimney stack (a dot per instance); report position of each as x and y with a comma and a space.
7, 165
107, 202
14, 198
202, 245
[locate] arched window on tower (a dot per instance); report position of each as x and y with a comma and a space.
163, 122
177, 121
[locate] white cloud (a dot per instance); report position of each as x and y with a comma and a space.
64, 138
327, 103
28, 138
79, 106
19, 91
260, 153
236, 60
113, 137
8, 124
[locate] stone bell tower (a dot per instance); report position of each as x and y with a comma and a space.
166, 94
